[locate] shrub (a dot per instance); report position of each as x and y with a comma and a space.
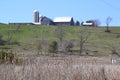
3, 55
6, 56
53, 47
2, 42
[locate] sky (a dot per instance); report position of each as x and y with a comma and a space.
81, 10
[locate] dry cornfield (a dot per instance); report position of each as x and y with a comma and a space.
65, 69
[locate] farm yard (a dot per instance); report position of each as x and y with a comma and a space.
35, 59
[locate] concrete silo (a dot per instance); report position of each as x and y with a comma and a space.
36, 16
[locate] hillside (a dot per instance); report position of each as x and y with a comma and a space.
27, 37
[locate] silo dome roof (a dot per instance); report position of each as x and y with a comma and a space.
36, 11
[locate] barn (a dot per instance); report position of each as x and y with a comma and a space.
46, 21
64, 21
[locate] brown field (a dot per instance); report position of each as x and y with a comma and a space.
62, 68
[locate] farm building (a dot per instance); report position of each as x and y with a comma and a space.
64, 21
87, 24
46, 21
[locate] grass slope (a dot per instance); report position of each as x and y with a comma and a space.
28, 36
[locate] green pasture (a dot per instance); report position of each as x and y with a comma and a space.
28, 35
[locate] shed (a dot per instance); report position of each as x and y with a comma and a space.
87, 24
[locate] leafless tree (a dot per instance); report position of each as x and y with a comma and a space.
83, 36
41, 43
60, 32
114, 48
69, 45
9, 37
1, 40
39, 47
108, 21
9, 34
115, 51
18, 28
97, 22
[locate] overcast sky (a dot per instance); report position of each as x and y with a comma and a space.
82, 10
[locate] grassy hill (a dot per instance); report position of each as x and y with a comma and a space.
26, 37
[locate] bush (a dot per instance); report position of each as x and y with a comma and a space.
53, 47
2, 42
3, 55
6, 56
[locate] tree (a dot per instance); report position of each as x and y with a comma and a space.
9, 34
44, 41
9, 37
108, 21
18, 28
83, 36
114, 48
97, 22
77, 23
1, 40
39, 47
68, 46
82, 23
41, 44
60, 32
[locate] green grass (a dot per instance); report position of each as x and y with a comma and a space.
28, 35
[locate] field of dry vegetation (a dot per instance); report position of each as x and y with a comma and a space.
65, 68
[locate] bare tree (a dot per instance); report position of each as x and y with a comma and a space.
97, 22
60, 32
83, 36
39, 47
114, 48
43, 41
9, 34
69, 45
18, 29
108, 21
9, 37
2, 42
41, 44
115, 51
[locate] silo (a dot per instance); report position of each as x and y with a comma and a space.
36, 16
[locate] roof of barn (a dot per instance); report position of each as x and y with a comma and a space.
63, 19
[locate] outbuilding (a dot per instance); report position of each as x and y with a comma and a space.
87, 24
